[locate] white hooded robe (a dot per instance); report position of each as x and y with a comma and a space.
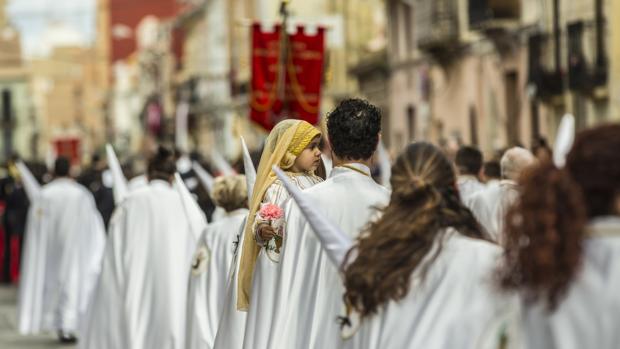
141, 297
65, 239
209, 277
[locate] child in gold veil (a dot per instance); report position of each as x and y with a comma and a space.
293, 145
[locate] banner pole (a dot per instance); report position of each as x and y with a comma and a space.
283, 61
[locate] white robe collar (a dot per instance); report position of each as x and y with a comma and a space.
160, 183
492, 182
342, 169
607, 226
508, 183
467, 178
63, 180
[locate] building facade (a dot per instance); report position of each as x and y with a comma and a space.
216, 67
18, 126
139, 53
66, 93
497, 73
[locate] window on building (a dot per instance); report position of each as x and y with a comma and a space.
473, 125
512, 108
6, 122
6, 106
411, 122
394, 25
407, 11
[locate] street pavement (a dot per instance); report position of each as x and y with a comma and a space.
9, 338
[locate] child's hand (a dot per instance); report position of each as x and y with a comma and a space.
266, 232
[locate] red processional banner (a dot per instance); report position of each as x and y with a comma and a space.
69, 148
286, 76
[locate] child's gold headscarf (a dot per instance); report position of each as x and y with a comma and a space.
285, 142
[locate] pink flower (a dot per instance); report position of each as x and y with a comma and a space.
271, 212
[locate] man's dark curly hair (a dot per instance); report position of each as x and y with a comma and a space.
469, 160
353, 129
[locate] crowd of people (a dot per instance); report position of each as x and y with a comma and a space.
454, 252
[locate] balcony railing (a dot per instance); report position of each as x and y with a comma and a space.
437, 24
493, 13
587, 68
549, 82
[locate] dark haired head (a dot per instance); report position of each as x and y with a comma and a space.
62, 166
353, 129
423, 204
162, 165
541, 149
546, 228
492, 170
14, 157
469, 160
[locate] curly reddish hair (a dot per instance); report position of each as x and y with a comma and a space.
546, 228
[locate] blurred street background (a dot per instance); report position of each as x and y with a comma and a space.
9, 338
197, 75
75, 74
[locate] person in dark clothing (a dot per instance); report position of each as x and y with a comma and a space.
92, 178
16, 202
15, 216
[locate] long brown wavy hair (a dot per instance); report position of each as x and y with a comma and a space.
547, 226
424, 202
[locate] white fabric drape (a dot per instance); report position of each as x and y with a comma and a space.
263, 299
208, 279
65, 239
141, 297
309, 289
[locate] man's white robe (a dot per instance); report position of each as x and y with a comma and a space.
468, 185
208, 280
65, 240
491, 205
137, 182
263, 298
141, 297
456, 305
492, 183
309, 290
589, 315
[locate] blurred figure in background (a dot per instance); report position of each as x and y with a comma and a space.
15, 205
541, 149
62, 257
92, 178
563, 247
491, 204
469, 163
141, 297
491, 173
212, 261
